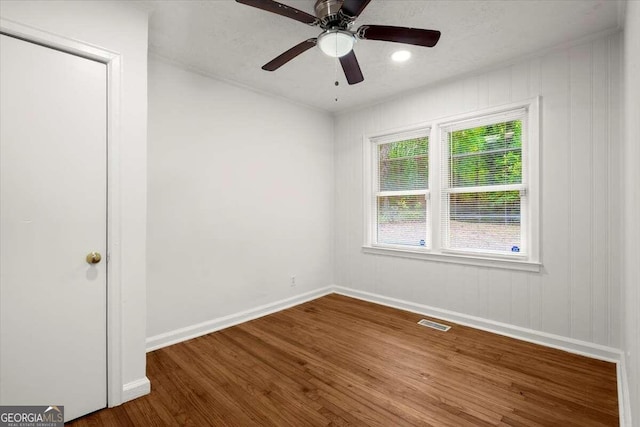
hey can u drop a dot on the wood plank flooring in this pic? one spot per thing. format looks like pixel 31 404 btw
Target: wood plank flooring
pixel 338 361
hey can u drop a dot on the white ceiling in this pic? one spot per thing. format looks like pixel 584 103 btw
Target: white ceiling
pixel 232 41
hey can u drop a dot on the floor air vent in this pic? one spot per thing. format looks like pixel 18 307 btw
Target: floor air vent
pixel 434 325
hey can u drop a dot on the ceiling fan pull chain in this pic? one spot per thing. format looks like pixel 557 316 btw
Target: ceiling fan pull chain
pixel 335 71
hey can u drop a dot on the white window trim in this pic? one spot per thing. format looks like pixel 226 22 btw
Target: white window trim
pixel 433 251
pixel 375 142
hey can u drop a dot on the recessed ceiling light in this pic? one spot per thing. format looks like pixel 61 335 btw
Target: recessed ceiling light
pixel 401 56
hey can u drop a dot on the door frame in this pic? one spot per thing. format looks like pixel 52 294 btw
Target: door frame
pixel 113 61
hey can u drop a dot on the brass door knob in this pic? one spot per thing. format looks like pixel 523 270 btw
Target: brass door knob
pixel 94 257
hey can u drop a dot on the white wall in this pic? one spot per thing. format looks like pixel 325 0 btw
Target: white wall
pixel 240 199
pixel 631 283
pixel 117 27
pixel 577 293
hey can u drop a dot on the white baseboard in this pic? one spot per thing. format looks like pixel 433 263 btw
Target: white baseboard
pixel 194 331
pixel 141 387
pixel 624 403
pixel 135 389
pixel 571 345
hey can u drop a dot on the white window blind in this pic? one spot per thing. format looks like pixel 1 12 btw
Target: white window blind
pixel 482 184
pixel 401 189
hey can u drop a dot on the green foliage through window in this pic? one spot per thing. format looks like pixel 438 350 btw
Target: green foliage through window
pixel 404 165
pixel 487 155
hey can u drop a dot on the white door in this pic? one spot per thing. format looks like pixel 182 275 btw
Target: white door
pixel 53 177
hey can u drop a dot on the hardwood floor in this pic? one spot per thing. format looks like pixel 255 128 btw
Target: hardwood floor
pixel 338 361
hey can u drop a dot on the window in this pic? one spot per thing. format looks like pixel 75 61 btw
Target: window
pixel 471 198
pixel 482 188
pixel 402 188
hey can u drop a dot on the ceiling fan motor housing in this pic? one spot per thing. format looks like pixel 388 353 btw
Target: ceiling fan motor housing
pixel 335 18
pixel 328 12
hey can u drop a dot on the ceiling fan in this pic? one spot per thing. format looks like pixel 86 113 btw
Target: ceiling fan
pixel 335 18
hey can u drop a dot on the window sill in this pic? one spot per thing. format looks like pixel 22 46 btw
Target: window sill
pixel 506 264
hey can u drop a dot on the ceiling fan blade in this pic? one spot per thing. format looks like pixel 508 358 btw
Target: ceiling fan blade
pixel 281 9
pixel 353 8
pixel 351 68
pixel 416 36
pixel 289 55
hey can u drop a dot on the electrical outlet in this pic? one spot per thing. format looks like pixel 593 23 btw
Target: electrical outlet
pixel 293 281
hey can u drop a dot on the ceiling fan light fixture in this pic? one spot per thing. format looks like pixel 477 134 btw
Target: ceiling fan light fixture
pixel 336 43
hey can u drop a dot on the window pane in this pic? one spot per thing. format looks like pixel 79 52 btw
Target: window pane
pixel 486 155
pixel 402 220
pixel 485 221
pixel 404 165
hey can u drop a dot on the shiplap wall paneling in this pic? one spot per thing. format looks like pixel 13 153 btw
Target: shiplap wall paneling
pixel 630 178
pixel 599 178
pixel 580 206
pixel 533 70
pixel 576 293
pixel 556 221
pixel 614 189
